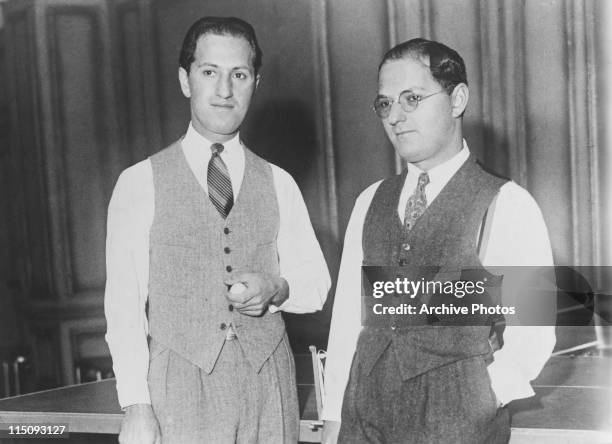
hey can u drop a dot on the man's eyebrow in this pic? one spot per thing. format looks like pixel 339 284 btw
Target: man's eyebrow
pixel 214 65
pixel 207 64
pixel 413 89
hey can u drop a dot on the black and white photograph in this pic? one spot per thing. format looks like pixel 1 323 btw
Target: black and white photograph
pixel 306 221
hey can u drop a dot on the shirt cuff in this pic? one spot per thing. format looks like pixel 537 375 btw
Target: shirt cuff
pixel 508 382
pixel 133 392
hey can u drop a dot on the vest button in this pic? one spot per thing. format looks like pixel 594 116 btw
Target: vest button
pixel 229 268
pixel 230 307
pixel 226 230
pixel 227 250
pixel 406 247
pixel 223 326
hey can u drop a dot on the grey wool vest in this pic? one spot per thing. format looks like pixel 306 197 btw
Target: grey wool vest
pixel 445 236
pixel 193 250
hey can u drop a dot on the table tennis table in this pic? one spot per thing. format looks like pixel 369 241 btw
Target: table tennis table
pixel 572 405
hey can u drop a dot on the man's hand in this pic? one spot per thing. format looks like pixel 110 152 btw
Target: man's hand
pixel 251 293
pixel 331 430
pixel 139 426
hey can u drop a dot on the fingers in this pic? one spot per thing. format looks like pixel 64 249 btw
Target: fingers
pixel 236 278
pixel 255 306
pixel 255 310
pixel 248 293
pixel 243 287
pixel 139 426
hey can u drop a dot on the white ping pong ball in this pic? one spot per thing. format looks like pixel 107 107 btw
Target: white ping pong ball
pixel 237 288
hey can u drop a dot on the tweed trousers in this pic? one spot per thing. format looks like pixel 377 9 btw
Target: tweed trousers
pixel 233 404
pixel 450 404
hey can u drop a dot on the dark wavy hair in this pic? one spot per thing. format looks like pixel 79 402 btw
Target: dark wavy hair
pixel 445 64
pixel 220 26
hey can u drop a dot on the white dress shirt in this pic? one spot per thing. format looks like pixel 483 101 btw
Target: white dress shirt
pixel 517 236
pixel 130 215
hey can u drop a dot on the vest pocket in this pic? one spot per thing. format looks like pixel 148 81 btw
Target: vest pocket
pixel 265 258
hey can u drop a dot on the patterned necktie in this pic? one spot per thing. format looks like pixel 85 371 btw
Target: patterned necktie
pixel 219 183
pixel 417 203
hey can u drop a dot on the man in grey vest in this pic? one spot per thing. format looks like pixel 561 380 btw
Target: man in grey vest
pixel 414 379
pixel 206 244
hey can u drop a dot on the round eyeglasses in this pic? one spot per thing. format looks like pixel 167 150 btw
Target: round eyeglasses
pixel 408 100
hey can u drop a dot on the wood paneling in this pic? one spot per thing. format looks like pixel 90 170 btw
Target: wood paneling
pixel 75 335
pixel 78 65
pixel 46 358
pixel 10 333
pixel 31 215
pixel 136 79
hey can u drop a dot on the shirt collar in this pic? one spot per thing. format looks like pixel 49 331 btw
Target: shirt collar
pixel 197 146
pixel 441 174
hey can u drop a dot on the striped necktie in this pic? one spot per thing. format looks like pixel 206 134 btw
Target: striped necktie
pixel 417 203
pixel 219 183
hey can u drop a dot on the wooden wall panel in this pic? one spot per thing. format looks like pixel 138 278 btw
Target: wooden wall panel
pixel 75 336
pixel 130 79
pixel 10 334
pixel 136 80
pixel 80 123
pixel 46 359
pixel 30 216
pixel 76 60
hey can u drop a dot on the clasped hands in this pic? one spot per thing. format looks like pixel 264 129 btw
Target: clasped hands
pixel 252 293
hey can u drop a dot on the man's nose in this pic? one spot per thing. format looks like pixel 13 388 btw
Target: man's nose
pixel 396 114
pixel 224 86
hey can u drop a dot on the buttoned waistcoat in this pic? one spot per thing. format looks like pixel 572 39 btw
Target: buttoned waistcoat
pixel 445 237
pixel 193 250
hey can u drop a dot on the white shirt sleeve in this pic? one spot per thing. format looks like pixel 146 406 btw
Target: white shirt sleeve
pixel 518 237
pixel 300 258
pixel 130 214
pixel 346 316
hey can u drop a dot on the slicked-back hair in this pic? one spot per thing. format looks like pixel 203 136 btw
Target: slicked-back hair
pixel 231 26
pixel 445 64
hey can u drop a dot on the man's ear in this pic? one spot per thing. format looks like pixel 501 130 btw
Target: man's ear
pixel 184 81
pixel 257 79
pixel 459 99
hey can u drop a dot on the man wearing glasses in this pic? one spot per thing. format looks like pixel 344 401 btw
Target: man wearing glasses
pixel 430 384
